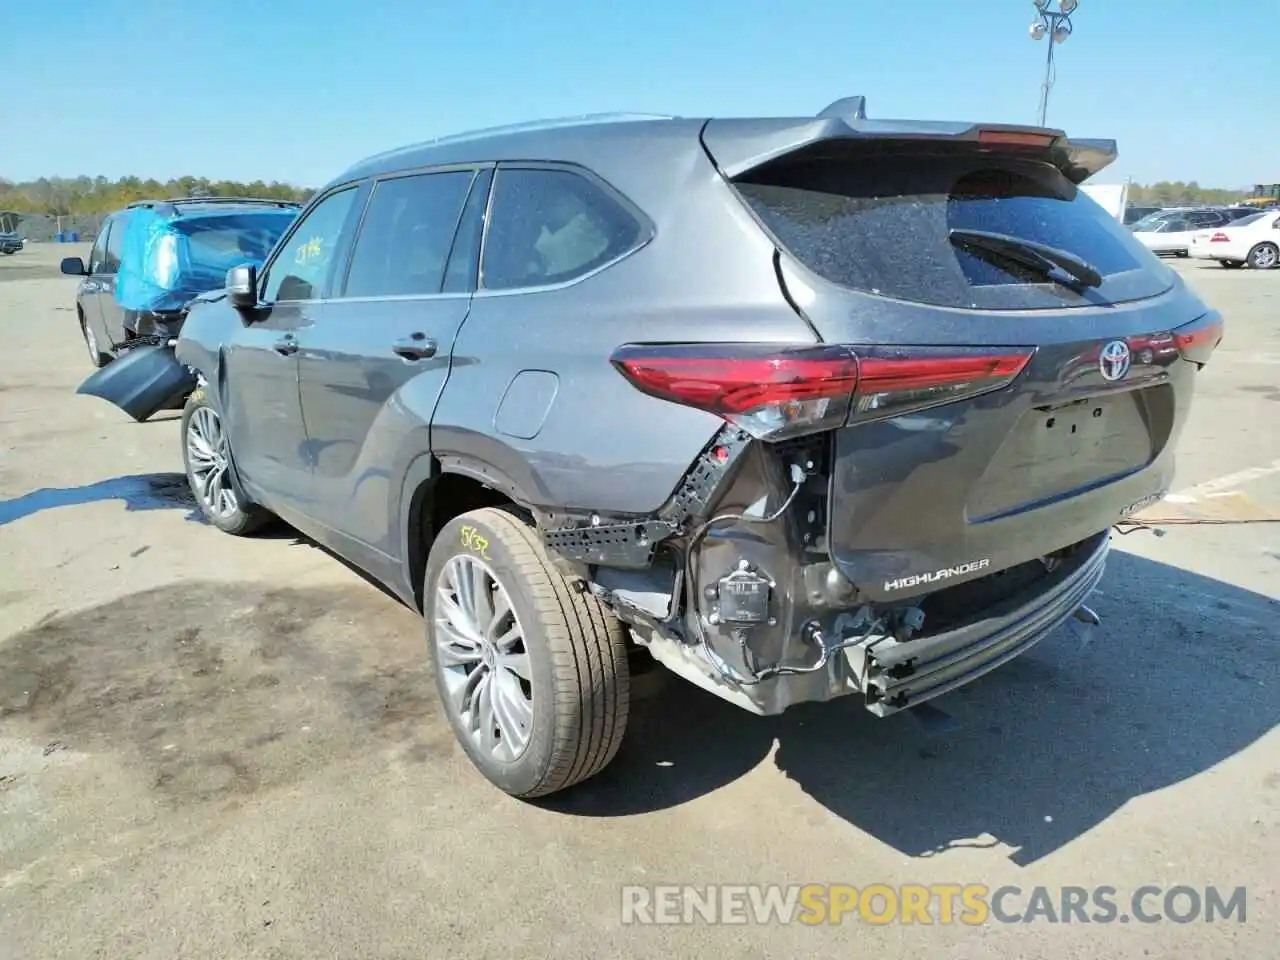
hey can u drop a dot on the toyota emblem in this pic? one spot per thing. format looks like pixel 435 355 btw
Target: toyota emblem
pixel 1114 360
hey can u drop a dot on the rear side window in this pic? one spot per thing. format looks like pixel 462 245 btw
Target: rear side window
pixel 406 236
pixel 551 226
pixel 880 223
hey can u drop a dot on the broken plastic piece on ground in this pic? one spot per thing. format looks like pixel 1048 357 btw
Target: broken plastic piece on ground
pixel 141 381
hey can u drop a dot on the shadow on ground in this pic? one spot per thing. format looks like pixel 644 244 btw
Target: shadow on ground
pixel 145 491
pixel 215 691
pixel 222 690
pixel 1183 674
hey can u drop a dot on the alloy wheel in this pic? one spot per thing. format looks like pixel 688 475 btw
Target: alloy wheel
pixel 1265 257
pixel 208 462
pixel 481 653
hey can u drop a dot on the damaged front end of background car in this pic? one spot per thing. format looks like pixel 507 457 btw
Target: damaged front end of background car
pixel 173 255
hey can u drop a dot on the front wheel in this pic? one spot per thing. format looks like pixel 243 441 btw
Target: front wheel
pixel 206 452
pixel 532 671
pixel 1265 256
pixel 96 356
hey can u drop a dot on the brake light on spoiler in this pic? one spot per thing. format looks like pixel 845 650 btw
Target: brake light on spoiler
pixel 774 391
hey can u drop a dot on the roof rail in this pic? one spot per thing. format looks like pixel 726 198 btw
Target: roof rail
pixel 179 200
pixel 846 108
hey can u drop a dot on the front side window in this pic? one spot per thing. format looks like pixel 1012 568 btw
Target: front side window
pixel 98 256
pixel 304 264
pixel 407 232
pixel 115 245
pixel 551 226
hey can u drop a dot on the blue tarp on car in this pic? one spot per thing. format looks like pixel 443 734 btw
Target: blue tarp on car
pixel 170 257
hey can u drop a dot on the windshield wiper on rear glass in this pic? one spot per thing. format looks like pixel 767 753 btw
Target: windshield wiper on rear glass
pixel 1036 256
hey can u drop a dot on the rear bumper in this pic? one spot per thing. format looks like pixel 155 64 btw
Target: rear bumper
pixel 910 673
pixel 1217 251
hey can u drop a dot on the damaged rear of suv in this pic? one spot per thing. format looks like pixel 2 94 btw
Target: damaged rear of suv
pixel 805 407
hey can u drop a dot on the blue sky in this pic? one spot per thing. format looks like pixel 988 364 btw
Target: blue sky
pixel 296 90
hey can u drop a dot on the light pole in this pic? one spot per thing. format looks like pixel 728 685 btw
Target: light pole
pixel 1056 26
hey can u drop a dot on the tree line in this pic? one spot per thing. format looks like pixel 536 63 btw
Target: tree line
pixel 1176 193
pixel 71 196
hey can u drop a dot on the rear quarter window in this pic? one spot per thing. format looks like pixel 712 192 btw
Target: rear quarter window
pixel 881 225
pixel 549 226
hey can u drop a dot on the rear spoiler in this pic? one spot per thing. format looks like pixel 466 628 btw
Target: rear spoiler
pixel 737 146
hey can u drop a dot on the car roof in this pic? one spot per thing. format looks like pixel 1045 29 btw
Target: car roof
pixel 612 138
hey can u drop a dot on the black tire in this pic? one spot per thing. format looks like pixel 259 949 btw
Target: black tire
pixel 96 356
pixel 1231 264
pixel 578 680
pixel 1181 254
pixel 8 253
pixel 1264 256
pixel 246 517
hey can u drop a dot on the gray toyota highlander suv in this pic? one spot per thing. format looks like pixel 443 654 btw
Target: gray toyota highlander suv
pixel 806 407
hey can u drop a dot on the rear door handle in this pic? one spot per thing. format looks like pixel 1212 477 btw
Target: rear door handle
pixel 417 346
pixel 286 345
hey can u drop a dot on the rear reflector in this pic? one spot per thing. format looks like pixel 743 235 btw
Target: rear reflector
pixel 1196 341
pixel 1219 238
pixel 774 392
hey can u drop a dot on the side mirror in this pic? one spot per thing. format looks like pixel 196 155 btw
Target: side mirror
pixel 73 267
pixel 242 286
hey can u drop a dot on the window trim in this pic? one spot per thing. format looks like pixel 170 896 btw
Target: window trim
pixel 339 293
pixel 646 234
pixel 265 273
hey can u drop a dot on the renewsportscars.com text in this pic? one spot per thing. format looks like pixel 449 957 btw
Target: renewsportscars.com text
pixel 817 904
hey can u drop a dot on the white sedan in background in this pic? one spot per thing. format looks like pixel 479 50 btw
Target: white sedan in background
pixel 1254 240
pixel 1170 231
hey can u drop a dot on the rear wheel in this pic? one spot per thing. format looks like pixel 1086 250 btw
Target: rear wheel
pixel 206 452
pixel 1265 256
pixel 532 671
pixel 1232 264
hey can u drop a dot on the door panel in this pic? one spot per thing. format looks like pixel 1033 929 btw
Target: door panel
pixel 260 400
pixel 374 365
pixel 92 286
pixel 261 362
pixel 112 312
pixel 370 370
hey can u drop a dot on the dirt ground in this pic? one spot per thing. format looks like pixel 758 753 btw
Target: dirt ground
pixel 216 747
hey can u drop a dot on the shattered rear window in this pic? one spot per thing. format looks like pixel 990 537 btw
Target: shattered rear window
pixel 881 224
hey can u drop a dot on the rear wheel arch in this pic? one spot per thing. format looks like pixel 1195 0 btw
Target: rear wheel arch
pixel 434 492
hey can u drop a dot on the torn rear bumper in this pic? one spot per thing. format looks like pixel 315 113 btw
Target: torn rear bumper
pixel 902 675
pixel 141 381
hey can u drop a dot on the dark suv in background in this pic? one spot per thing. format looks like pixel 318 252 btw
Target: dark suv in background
pixel 805 407
pixel 195 229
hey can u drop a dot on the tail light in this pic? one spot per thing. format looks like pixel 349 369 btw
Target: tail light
pixel 1219 238
pixel 1197 340
pixel 774 392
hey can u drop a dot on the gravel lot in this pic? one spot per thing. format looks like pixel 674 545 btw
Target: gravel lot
pixel 213 747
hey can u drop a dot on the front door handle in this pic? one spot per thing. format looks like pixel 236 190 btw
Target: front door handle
pixel 417 346
pixel 286 345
